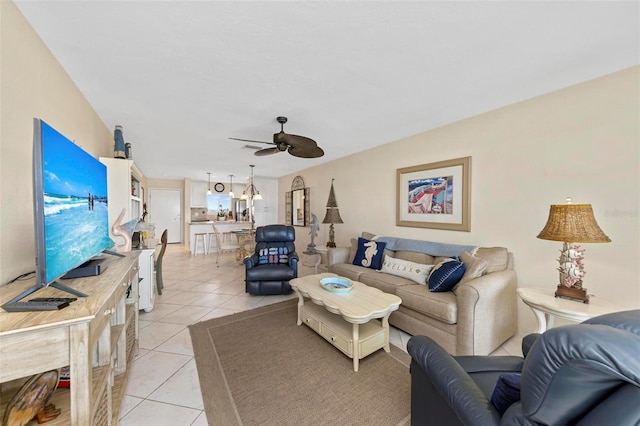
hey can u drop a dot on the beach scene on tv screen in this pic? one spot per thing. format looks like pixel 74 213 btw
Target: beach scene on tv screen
pixel 75 204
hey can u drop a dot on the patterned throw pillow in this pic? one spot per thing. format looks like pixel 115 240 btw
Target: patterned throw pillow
pixel 445 275
pixel 369 254
pixel 273 255
pixel 416 272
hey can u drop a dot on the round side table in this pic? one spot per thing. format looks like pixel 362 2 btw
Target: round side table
pixel 546 306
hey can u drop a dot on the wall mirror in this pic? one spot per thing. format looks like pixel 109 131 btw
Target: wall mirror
pixel 297 200
pixel 298 203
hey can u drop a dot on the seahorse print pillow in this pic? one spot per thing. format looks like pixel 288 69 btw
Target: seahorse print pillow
pixel 369 254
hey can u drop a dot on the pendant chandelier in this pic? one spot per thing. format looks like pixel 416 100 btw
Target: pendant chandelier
pixel 251 193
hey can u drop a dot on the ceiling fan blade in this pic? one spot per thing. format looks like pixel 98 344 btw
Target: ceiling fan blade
pixel 311 152
pixel 266 151
pixel 250 140
pixel 301 142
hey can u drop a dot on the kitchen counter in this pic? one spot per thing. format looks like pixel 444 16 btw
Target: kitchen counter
pixel 222 225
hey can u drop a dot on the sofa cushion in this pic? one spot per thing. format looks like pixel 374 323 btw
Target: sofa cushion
pixel 384 282
pixel 414 256
pixel 474 266
pixel 369 253
pixel 497 257
pixel 348 270
pixel 441 306
pixel 445 275
pixel 368 235
pixel 416 272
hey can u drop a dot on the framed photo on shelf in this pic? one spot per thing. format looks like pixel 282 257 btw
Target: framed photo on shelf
pixel 435 195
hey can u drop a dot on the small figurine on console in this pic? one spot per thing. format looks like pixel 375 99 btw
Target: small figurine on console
pixel 125 231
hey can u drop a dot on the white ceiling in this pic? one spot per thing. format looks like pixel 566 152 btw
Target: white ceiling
pixel 182 77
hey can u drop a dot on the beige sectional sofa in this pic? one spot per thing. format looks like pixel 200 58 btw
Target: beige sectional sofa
pixel 475 318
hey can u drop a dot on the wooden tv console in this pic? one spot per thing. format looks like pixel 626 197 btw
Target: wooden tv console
pixel 96 337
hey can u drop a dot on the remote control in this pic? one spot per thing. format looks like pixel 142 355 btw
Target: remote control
pixel 34 306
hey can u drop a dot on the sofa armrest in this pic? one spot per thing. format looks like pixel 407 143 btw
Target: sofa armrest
pixel 487 313
pixel 337 255
pixel 293 262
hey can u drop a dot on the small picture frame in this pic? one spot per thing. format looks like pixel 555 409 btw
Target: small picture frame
pixel 435 195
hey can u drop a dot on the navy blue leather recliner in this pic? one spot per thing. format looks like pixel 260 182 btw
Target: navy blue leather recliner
pixel 274 263
pixel 583 374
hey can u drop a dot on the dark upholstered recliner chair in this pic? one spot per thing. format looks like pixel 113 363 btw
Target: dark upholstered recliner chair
pixel 274 262
pixel 583 374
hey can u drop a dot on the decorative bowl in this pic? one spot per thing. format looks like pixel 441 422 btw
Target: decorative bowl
pixel 336 285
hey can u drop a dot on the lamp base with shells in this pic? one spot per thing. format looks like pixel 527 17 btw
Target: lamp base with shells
pixel 571 272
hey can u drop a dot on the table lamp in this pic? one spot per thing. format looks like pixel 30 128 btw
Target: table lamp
pixel 572 223
pixel 332 216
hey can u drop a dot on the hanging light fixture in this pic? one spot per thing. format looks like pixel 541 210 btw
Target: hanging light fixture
pixel 231 195
pixel 209 187
pixel 251 193
pixel 255 194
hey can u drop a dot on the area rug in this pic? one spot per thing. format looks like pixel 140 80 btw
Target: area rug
pixel 259 368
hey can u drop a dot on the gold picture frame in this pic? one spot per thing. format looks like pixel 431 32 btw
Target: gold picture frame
pixel 435 195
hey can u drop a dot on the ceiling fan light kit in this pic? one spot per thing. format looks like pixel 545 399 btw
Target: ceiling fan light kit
pixel 298 146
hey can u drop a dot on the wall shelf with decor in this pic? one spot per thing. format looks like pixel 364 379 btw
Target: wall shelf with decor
pixel 124 181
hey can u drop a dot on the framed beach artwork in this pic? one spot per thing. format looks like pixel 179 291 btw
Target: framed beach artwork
pixel 435 195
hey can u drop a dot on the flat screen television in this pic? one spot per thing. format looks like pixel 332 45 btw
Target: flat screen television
pixel 70 207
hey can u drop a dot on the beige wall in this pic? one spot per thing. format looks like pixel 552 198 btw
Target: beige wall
pixel 583 142
pixel 33 84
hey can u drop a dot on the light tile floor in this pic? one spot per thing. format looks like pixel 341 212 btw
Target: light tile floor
pixel 163 386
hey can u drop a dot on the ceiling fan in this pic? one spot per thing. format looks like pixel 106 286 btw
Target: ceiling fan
pixel 298 146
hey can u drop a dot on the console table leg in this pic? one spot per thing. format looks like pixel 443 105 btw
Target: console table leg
pixel 542 320
pixel 549 319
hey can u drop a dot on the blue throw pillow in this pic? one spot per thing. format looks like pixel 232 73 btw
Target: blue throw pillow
pixel 369 254
pixel 506 392
pixel 445 275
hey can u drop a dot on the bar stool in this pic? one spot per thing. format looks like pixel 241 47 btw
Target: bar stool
pixel 197 236
pixel 221 245
pixel 211 239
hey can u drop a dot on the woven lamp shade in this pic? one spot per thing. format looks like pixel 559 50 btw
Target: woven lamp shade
pixel 573 223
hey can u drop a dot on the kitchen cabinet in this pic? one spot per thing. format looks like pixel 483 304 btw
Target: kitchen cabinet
pixel 96 336
pixel 266 210
pixel 199 194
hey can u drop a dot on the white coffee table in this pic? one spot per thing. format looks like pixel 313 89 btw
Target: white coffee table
pixel 546 306
pixel 344 319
